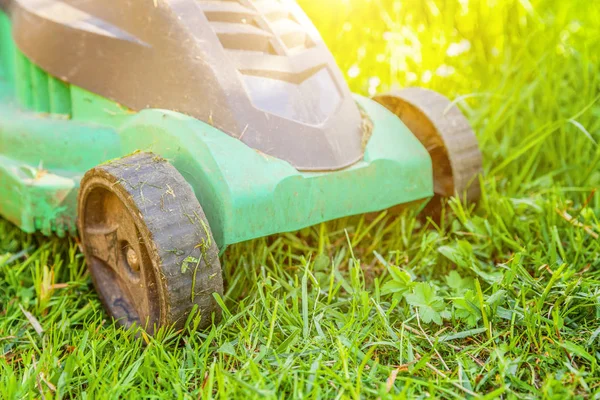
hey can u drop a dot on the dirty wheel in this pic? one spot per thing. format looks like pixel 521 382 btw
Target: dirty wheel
pixel 147 243
pixel 446 134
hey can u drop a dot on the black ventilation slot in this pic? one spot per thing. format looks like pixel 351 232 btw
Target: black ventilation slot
pixel 265 26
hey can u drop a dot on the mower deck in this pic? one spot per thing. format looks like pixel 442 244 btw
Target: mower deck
pixel 246 194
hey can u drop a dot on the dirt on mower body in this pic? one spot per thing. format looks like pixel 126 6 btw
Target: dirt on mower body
pixel 164 131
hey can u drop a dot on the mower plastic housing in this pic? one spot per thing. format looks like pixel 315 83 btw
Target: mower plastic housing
pixel 285 171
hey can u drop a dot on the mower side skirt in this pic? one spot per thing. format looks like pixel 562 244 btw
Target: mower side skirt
pixel 247 194
pixel 42 161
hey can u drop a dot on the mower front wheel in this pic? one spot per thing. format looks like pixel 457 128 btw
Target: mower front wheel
pixel 446 134
pixel 148 244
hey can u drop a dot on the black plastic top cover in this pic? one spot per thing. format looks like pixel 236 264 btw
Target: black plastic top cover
pixel 256 69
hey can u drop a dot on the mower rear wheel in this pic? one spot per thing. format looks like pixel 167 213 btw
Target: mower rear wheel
pixel 148 244
pixel 446 134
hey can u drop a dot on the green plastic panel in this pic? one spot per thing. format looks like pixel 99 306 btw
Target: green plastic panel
pixel 247 194
pixel 34 89
pixel 37 91
pixel 24 90
pixel 59 97
pixel 42 160
pixel 7 51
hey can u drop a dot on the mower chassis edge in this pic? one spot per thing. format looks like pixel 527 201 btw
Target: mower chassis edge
pixel 245 194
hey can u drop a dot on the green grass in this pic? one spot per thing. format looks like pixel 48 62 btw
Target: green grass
pixel 498 301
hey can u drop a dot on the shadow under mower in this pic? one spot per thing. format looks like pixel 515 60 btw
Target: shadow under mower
pixel 165 130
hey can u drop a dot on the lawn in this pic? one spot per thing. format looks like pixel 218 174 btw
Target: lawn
pixel 500 300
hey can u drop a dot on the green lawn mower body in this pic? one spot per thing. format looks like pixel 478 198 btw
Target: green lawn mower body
pixel 52 132
pixel 162 131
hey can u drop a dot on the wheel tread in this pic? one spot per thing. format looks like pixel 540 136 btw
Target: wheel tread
pixel 162 198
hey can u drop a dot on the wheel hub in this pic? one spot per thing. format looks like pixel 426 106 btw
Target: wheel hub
pixel 132 259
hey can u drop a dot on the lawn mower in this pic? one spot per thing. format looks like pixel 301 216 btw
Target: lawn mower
pixel 162 131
